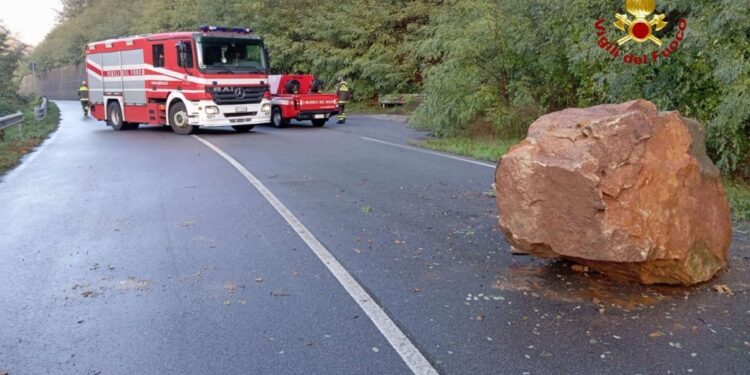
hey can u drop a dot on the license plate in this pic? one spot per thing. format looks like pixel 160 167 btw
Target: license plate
pixel 320 116
pixel 240 109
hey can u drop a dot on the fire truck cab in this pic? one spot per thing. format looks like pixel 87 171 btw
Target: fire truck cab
pixel 214 77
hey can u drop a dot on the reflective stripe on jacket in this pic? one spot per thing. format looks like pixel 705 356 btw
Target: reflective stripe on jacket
pixel 343 92
pixel 83 93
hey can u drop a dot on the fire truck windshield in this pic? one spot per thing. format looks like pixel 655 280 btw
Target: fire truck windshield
pixel 231 55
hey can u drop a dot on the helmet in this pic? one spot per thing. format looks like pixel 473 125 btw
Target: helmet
pixel 83 83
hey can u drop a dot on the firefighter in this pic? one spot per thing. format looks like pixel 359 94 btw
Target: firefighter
pixel 83 95
pixel 342 91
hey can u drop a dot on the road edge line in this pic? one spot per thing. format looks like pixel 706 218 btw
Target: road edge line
pixel 488 165
pixel 408 352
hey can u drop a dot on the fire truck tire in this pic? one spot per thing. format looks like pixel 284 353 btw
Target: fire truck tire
pixel 277 119
pixel 319 123
pixel 242 128
pixel 114 117
pixel 178 118
pixel 292 87
pixel 317 86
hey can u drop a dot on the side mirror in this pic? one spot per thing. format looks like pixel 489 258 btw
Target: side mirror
pixel 268 60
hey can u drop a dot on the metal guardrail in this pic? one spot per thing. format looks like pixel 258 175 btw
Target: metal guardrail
pixel 8 121
pixel 400 99
pixel 40 111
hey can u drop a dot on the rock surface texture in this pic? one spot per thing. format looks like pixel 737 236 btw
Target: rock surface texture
pixel 624 189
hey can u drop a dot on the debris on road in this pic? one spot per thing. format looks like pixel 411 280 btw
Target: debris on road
pixel 89 294
pixel 279 294
pixel 258 279
pixel 723 289
pixel 579 268
pixel 135 284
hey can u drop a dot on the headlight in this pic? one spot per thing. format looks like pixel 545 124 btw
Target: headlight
pixel 265 108
pixel 212 110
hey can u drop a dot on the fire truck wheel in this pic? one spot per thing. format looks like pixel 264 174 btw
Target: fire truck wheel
pixel 114 118
pixel 178 117
pixel 319 123
pixel 242 128
pixel 317 86
pixel 277 119
pixel 292 87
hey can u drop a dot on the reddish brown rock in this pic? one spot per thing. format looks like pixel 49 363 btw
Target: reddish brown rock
pixel 623 189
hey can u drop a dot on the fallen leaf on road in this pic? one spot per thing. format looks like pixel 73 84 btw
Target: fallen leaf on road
pixel 358 251
pixel 258 279
pixel 656 334
pixel 398 242
pixel 579 268
pixel 376 349
pixel 480 317
pixel 723 289
pixel 417 290
pixel 88 293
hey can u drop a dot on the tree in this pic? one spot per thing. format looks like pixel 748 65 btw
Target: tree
pixel 10 54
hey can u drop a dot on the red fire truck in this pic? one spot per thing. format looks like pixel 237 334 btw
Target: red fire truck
pixel 298 97
pixel 216 76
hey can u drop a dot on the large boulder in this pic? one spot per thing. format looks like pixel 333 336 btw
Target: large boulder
pixel 624 189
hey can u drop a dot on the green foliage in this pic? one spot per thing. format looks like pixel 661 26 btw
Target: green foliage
pixel 9 58
pixel 738 194
pixel 506 62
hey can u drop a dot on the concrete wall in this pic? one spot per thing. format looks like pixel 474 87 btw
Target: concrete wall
pixel 59 84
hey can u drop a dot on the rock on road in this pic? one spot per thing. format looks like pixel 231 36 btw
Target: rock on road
pixel 147 252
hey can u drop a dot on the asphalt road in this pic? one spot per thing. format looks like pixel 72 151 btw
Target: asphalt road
pixel 144 252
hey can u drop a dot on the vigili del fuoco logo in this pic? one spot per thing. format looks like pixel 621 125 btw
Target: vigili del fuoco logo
pixel 643 27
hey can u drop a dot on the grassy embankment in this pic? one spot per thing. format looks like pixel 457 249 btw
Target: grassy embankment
pixel 17 141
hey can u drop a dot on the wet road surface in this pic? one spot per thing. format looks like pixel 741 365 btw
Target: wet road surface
pixel 147 252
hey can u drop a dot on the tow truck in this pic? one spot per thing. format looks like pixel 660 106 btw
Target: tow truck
pixel 298 97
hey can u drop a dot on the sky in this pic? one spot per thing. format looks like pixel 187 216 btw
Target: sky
pixel 30 20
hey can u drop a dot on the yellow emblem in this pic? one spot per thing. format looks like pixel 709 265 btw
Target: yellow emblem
pixel 640 29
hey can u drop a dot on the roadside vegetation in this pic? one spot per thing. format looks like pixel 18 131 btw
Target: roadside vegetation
pixel 17 141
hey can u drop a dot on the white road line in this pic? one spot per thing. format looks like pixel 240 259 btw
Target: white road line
pixel 403 346
pixel 488 165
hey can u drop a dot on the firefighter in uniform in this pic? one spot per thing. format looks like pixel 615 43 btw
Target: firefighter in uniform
pixel 83 95
pixel 342 91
